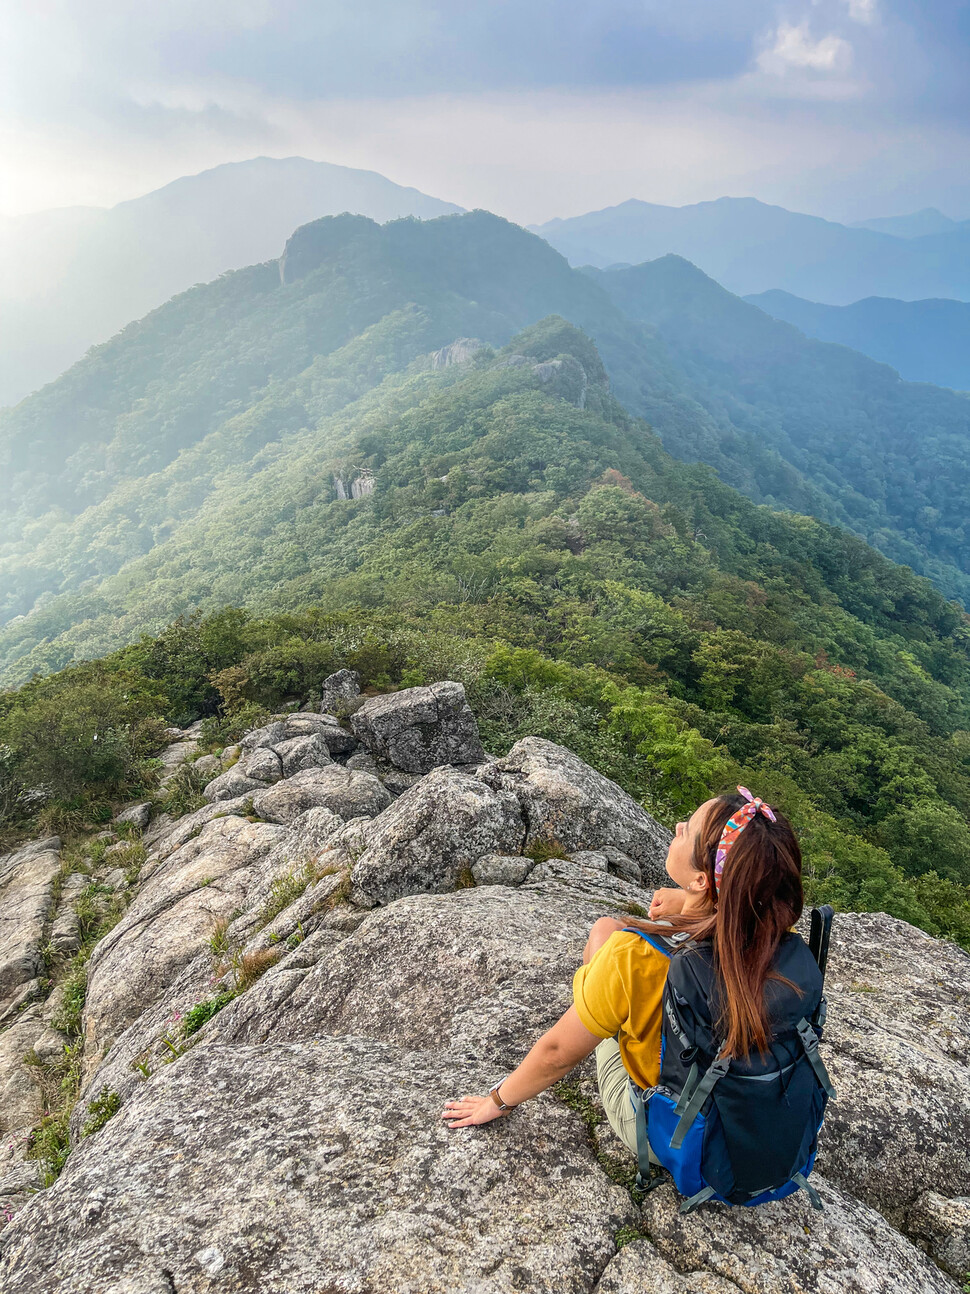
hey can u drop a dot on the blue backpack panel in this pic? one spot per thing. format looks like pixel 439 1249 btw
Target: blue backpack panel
pixel 741 1131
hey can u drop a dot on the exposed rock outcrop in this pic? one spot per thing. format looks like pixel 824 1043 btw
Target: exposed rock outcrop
pixel 420 728
pixel 567 803
pixel 360 960
pixel 26 893
pixel 457 352
pixel 433 834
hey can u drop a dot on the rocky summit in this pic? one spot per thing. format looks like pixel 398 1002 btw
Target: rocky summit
pixel 364 915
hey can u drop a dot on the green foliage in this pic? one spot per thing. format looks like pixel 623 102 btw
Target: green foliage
pixel 104 1106
pixel 284 890
pixel 226 729
pixel 67 1018
pixel 203 1012
pixel 183 792
pixel 583 585
pixel 60 1083
pixel 542 850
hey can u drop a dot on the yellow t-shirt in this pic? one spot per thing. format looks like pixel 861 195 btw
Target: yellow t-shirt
pixel 621 991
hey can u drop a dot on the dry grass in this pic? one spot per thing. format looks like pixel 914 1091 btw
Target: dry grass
pixel 251 966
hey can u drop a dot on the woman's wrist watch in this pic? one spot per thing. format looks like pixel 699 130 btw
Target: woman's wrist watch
pixel 496 1096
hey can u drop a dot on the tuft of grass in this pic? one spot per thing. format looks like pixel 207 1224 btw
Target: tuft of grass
pixel 626 1236
pixel 465 879
pixel 540 851
pixel 60 1084
pixel 100 1110
pixel 183 794
pixel 59 819
pixel 251 966
pixel 67 1018
pixel 340 894
pixel 219 939
pixel 203 1012
pixel 635 910
pixel 131 858
pixel 284 890
pixel 96 851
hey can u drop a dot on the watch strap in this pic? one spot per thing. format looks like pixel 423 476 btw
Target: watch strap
pixel 497 1097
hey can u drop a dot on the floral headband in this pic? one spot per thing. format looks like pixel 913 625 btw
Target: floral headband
pixel 735 825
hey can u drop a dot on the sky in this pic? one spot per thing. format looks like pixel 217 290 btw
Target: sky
pixel 532 108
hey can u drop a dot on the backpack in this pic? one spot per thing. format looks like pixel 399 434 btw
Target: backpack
pixel 742 1131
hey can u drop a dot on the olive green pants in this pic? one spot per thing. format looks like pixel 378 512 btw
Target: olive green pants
pixel 614 1085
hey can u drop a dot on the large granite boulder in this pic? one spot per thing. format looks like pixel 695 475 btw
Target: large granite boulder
pixel 432 835
pixel 898 1038
pixel 420 728
pixel 343 791
pixel 567 804
pixel 340 692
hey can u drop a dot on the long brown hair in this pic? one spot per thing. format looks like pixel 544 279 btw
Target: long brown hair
pixel 760 899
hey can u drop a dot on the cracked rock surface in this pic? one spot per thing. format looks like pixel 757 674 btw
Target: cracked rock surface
pixel 410 954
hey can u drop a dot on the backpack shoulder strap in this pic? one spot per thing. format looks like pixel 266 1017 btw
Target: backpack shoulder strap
pixel 666 944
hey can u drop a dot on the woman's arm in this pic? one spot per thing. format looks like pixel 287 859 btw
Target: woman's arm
pixel 557 1052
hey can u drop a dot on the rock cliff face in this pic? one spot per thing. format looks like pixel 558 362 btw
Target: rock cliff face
pixel 290 997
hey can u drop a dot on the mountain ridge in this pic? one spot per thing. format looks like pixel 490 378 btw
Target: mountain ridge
pixel 72 278
pixel 750 246
pixel 925 341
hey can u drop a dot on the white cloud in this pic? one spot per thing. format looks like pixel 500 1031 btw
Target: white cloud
pixel 792 47
pixel 863 11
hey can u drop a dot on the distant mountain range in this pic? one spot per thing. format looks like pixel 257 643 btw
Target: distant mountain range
pixel 926 341
pixel 134 487
pixel 71 278
pixel 751 247
pixel 916 225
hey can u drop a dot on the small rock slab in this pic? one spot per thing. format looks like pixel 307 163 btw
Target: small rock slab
pixel 943 1226
pixel 231 785
pixel 139 815
pixel 26 889
pixel 502 869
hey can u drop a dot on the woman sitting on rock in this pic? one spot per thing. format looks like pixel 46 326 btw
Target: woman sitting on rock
pixel 618 991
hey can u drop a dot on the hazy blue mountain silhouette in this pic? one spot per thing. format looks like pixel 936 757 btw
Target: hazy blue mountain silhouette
pixel 926 341
pixel 749 247
pixel 71 278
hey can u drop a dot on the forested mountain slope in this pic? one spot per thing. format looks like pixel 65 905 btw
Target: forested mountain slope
pixel 113 459
pixel 886 458
pixel 926 341
pixel 514 528
pixel 71 278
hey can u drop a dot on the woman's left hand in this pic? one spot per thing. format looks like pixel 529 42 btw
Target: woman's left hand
pixel 471 1111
